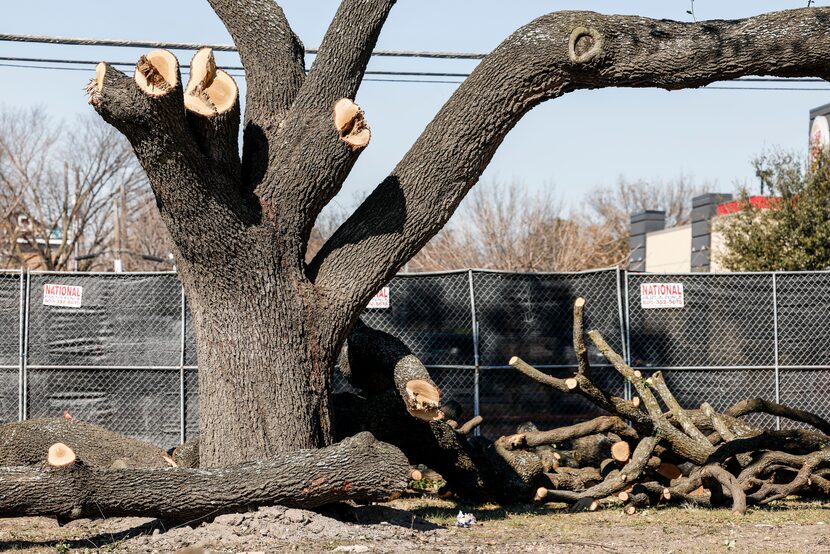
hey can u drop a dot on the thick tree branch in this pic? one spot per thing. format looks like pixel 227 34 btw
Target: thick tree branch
pixel 554 54
pixel 359 468
pixel 274 63
pixel 375 361
pixel 755 405
pixel 149 112
pixel 297 186
pixel 212 103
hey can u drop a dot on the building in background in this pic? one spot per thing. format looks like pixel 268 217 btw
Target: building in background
pixel 696 246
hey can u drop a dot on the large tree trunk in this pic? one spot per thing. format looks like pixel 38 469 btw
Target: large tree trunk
pixel 265 365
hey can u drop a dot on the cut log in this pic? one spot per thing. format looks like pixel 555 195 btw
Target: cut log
pixel 60 455
pixel 621 451
pixel 573 479
pixel 360 469
pixel 415 474
pixel 601 424
pixel 470 425
pixel 669 471
pixel 583 364
pixel 375 361
pixel 25 443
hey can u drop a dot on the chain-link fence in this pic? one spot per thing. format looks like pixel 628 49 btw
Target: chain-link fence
pixel 119 349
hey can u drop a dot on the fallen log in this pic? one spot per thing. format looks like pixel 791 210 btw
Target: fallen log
pixel 375 361
pixel 25 443
pixel 359 469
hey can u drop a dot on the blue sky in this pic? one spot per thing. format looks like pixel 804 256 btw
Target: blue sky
pixel 710 135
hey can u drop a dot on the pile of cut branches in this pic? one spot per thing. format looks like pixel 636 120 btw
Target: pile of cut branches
pixel 651 450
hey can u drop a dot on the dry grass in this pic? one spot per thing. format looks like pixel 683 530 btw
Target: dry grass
pixel 784 528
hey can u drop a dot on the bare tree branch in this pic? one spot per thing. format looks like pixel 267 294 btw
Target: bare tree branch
pixel 57 186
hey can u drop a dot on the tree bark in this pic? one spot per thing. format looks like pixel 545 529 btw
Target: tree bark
pixel 25 443
pixel 268 326
pixel 359 469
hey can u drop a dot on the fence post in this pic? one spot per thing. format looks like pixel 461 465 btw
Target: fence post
pixel 626 323
pixel 775 341
pixel 182 412
pixel 21 353
pixel 477 368
pixel 24 361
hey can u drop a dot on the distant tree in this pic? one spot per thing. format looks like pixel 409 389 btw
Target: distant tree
pixel 503 226
pixel 789 232
pixel 609 209
pixel 59 187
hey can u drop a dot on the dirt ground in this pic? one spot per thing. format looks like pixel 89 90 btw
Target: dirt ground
pixel 426 525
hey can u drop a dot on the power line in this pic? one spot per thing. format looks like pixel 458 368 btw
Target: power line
pixel 417 78
pixel 73 41
pixel 226 68
pixel 435 74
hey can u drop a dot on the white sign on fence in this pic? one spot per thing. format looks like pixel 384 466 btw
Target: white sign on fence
pixel 66 296
pixel 661 295
pixel 380 300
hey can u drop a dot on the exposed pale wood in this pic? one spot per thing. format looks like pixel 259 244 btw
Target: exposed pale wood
pixel 350 123
pixel 424 399
pixel 470 425
pixel 415 474
pixel 157 72
pixel 202 72
pixel 621 451
pixel 221 96
pixel 669 471
pixel 60 455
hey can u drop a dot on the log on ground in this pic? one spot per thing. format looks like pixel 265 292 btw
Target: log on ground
pixel 25 443
pixel 359 469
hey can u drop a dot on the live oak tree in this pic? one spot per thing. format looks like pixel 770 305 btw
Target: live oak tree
pixel 269 325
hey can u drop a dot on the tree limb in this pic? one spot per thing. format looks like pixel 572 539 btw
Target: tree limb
pixel 296 187
pixel 374 361
pixel 188 192
pixel 755 405
pixel 274 61
pixel 359 468
pixel 554 54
